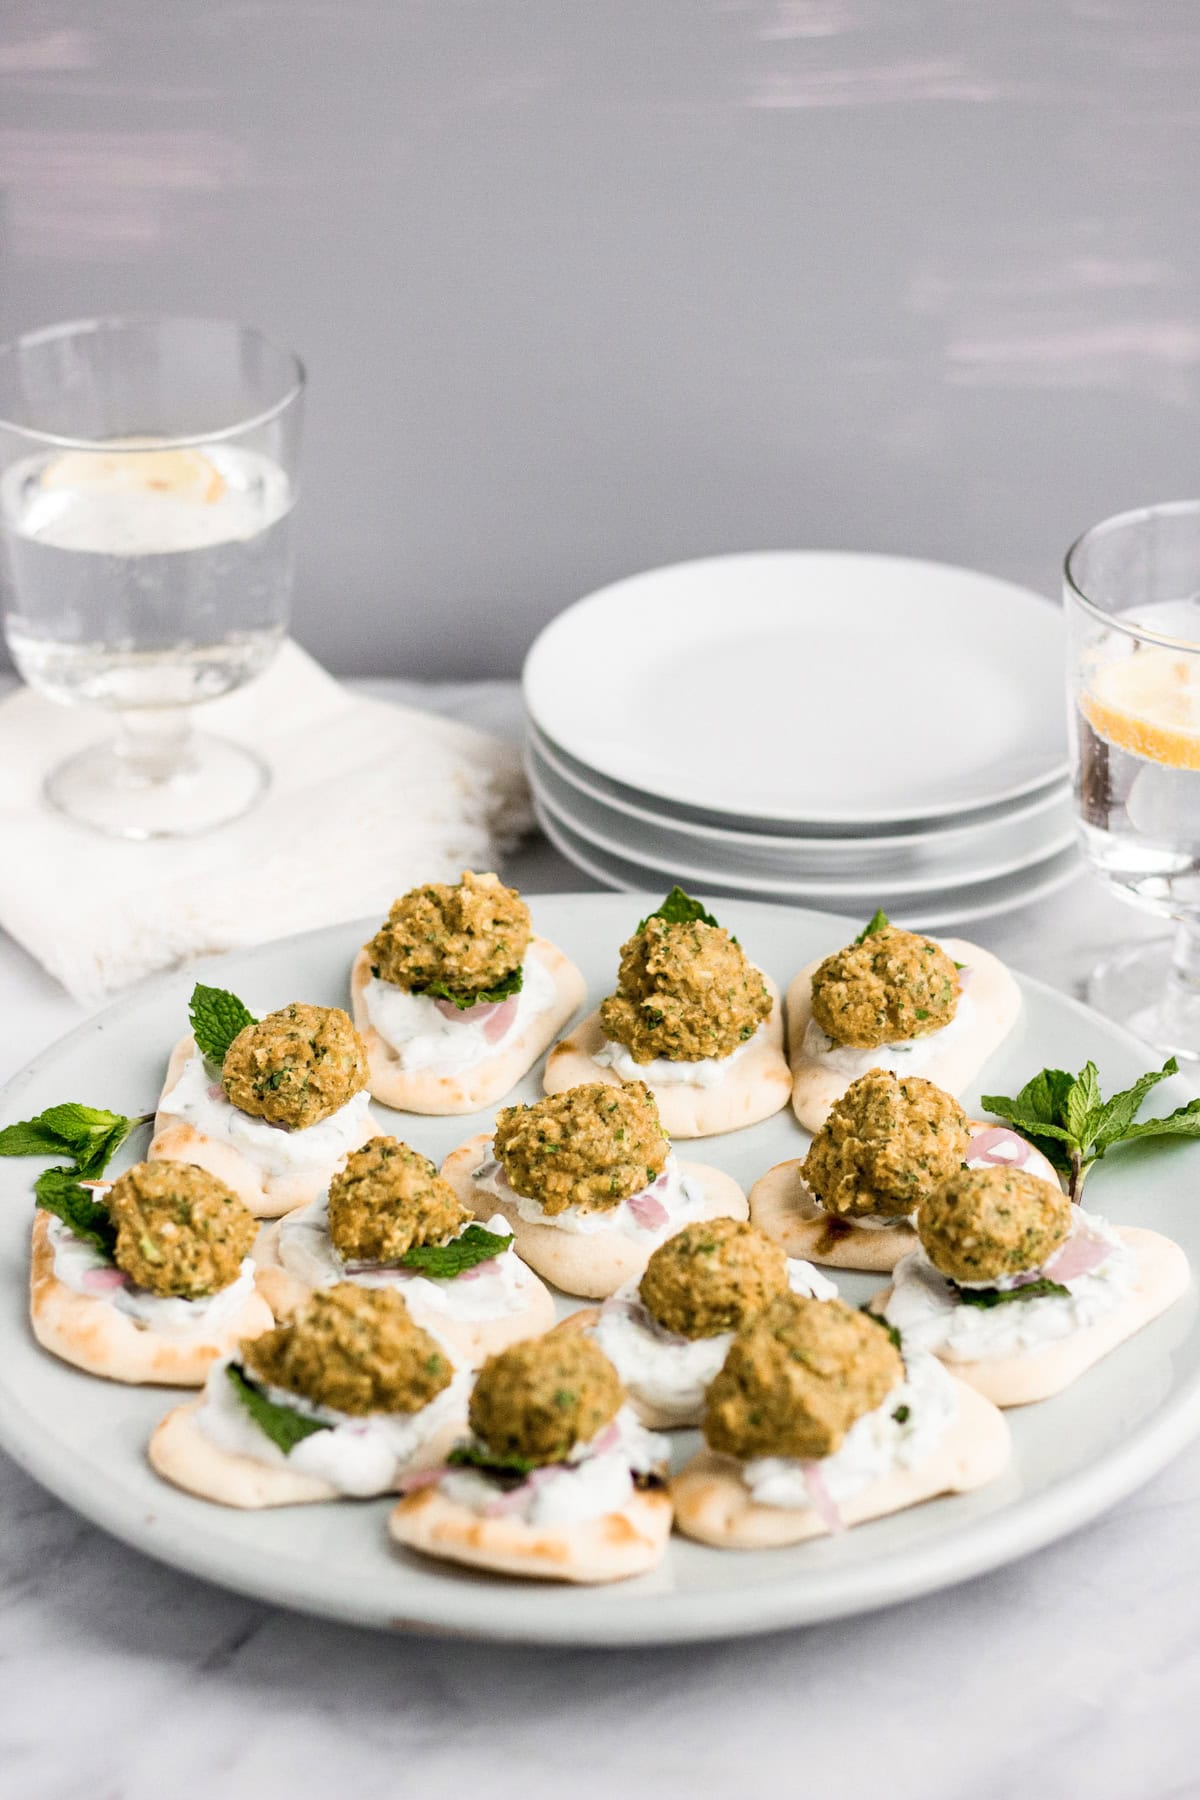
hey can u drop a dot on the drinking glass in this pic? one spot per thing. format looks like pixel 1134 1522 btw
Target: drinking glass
pixel 148 475
pixel 1132 596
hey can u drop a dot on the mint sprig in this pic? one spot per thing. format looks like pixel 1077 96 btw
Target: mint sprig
pixel 217 1016
pixel 1030 1290
pixel 512 984
pixel 284 1425
pixel 58 1191
pixel 679 909
pixel 471 1455
pixel 1067 1118
pixel 89 1135
pixel 878 921
pixel 444 1261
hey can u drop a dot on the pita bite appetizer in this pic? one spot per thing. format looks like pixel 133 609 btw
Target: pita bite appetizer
pixel 390 1220
pixel 692 1018
pixel 588 1184
pixel 1018 1290
pixel 270 1106
pixel 558 1480
pixel 819 1420
pixel 888 1143
pixel 342 1400
pixel 145 1279
pixel 668 1334
pixel 897 1001
pixel 456 998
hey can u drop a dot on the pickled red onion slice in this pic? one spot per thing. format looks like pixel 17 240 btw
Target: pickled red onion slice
pixel 1081 1253
pixel 820 1499
pixel 981 1146
pixel 103 1281
pixel 650 1213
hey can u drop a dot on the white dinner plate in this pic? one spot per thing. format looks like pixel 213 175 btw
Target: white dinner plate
pixel 808 686
pixel 1074 1455
pixel 784 870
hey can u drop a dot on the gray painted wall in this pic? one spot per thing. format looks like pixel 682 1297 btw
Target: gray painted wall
pixel 586 285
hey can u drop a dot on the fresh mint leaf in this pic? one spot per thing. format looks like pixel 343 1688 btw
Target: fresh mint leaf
pixel 1032 1290
pixel 512 984
pixel 477 1456
pixel 217 1016
pixel 878 921
pixel 444 1261
pixel 1120 1112
pixel 679 909
pixel 284 1425
pixel 58 1192
pixel 89 1135
pixel 1082 1103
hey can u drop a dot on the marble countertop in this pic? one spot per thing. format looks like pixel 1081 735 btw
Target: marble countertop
pixel 1071 1673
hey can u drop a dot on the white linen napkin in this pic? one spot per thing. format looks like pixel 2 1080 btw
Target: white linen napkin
pixel 367 799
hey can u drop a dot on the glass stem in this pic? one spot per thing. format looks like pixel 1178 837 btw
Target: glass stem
pixel 154 745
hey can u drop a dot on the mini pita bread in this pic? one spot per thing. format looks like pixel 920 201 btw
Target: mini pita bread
pixel 713 1503
pixel 1163 1276
pixel 756 1085
pixel 185 1456
pixel 267 1196
pixel 469 1341
pixel 785 1208
pixel 610 1548
pixel 994 994
pixel 592 1264
pixel 88 1331
pixel 421 1091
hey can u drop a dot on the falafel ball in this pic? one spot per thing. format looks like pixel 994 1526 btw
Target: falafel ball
pixel 180 1231
pixel 466 936
pixel 355 1350
pixel 886 1145
pixel 685 992
pixel 798 1377
pixel 296 1066
pixel 988 1222
pixel 713 1276
pixel 385 1199
pixel 536 1400
pixel 591 1146
pixel 892 987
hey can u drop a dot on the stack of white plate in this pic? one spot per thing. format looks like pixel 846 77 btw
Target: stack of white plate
pixel 838 731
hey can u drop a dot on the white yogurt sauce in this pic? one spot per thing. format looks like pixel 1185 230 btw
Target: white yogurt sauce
pixel 423 1037
pixel 589 1484
pixel 359 1456
pixel 488 1291
pixel 910 1057
pixel 81 1267
pixel 874 1446
pixel 664 1370
pixel 705 1072
pixel 681 1197
pixel 198 1097
pixel 929 1315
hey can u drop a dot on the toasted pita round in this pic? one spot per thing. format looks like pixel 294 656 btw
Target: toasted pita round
pixel 184 1455
pixel 421 1091
pixel 469 1341
pixel 267 1196
pixel 1163 1275
pixel 996 999
pixel 610 1548
pixel 713 1503
pixel 592 1264
pixel 755 1086
pixel 88 1331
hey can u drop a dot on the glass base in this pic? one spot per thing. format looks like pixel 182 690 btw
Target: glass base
pixel 1141 987
pixel 210 783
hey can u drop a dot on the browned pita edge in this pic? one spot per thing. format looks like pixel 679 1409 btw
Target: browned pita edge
pixel 714 1506
pixel 181 1452
pixel 816 1087
pixel 1031 1375
pixel 469 1341
pixel 267 1196
pixel 758 1085
pixel 89 1332
pixel 591 1265
pixel 611 1548
pixel 419 1091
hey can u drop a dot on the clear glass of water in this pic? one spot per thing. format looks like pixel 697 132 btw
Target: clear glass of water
pixel 148 476
pixel 1132 595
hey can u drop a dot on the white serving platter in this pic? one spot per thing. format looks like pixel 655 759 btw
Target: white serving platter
pixel 808 687
pixel 1074 1456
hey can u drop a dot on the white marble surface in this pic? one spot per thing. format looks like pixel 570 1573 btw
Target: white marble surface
pixel 1072 1673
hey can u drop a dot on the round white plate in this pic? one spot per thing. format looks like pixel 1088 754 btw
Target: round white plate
pixel 958 906
pixel 782 869
pixel 1074 1456
pixel 809 686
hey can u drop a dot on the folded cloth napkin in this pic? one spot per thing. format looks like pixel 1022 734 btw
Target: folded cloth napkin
pixel 366 800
